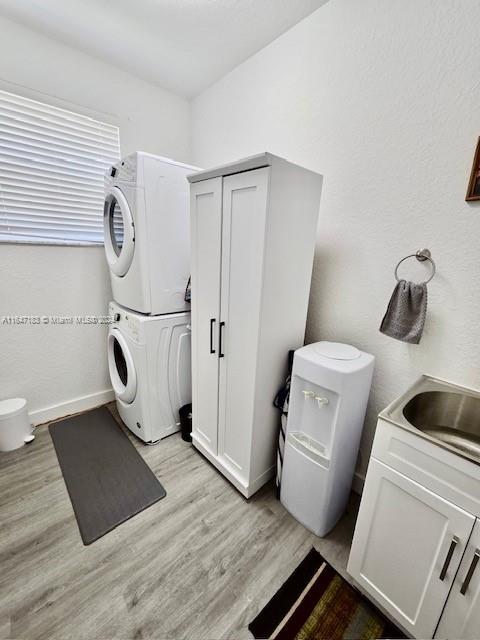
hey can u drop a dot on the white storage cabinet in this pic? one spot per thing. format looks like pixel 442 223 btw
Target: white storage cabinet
pixel 417 540
pixel 253 226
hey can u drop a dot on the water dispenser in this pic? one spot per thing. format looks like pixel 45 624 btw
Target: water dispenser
pixel 328 399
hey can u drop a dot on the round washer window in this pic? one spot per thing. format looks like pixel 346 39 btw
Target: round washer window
pixel 120 362
pixel 121 367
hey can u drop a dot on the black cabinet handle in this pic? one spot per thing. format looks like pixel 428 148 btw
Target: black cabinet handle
pixel 220 335
pixel 470 572
pixel 451 551
pixel 212 322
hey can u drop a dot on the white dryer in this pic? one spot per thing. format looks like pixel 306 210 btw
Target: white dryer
pixel 147 238
pixel 149 360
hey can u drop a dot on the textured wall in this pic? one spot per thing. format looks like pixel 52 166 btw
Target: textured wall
pixel 383 98
pixel 50 365
pixel 53 364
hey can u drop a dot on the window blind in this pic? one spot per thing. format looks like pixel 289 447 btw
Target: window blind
pixel 52 166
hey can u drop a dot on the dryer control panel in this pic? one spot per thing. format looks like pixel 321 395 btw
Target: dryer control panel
pixel 122 171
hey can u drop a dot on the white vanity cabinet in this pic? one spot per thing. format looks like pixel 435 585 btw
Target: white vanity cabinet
pixel 417 536
pixel 253 229
pixel 407 548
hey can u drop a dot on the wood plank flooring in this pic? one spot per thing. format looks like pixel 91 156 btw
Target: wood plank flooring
pixel 198 564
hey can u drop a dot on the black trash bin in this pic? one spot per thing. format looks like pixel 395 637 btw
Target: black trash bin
pixel 186 422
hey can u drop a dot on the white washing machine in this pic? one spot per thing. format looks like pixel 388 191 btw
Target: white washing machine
pixel 147 237
pixel 149 360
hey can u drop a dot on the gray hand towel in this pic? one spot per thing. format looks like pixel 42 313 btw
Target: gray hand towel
pixel 405 315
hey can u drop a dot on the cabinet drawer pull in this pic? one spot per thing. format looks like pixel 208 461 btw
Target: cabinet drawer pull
pixel 220 336
pixel 212 322
pixel 448 559
pixel 470 572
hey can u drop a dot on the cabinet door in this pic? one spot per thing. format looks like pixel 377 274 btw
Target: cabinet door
pixel 461 617
pixel 206 232
pixel 407 547
pixel 243 239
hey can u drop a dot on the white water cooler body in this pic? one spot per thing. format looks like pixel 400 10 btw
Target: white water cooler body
pixel 328 399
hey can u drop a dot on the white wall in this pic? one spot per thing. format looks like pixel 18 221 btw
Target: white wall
pixel 54 365
pixel 383 98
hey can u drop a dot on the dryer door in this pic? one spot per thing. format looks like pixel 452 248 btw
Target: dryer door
pixel 121 367
pixel 119 232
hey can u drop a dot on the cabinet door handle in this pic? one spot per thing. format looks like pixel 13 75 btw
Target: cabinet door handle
pixel 220 336
pixel 448 559
pixel 212 322
pixel 470 572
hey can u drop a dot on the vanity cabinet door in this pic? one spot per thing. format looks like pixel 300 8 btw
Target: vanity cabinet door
pixel 461 617
pixel 407 547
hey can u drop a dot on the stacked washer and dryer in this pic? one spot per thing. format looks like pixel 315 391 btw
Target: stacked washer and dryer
pixel 147 246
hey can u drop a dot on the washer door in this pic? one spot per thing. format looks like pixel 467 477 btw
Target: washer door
pixel 119 232
pixel 121 367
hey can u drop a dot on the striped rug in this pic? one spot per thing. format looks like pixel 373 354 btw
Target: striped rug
pixel 316 603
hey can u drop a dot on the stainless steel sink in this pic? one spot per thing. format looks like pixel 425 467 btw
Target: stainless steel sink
pixel 442 412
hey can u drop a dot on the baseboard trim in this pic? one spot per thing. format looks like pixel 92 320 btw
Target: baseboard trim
pixel 358 482
pixel 39 416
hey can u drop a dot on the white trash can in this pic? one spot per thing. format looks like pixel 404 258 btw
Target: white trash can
pixel 15 427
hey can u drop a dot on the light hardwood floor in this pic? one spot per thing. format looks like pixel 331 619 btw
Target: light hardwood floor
pixel 198 564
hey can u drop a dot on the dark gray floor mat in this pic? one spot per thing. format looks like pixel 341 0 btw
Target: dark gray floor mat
pixel 107 479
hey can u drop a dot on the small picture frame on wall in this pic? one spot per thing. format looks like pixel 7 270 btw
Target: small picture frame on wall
pixel 473 191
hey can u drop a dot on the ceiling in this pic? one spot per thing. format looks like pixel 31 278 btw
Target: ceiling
pixel 181 45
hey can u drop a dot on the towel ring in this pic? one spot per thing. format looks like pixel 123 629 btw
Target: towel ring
pixel 421 256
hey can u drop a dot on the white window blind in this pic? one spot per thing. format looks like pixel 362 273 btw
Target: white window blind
pixel 52 166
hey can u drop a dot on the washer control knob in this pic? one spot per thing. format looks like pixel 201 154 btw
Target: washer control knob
pixel 116 317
